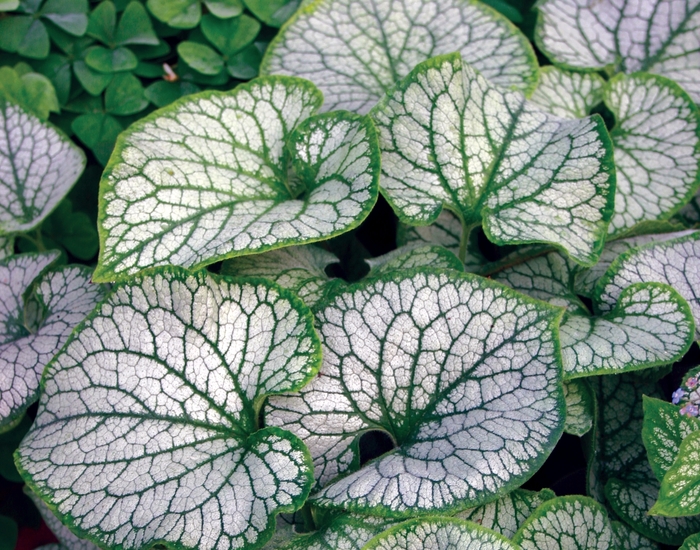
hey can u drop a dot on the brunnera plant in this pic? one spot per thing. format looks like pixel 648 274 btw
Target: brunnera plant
pixel 189 403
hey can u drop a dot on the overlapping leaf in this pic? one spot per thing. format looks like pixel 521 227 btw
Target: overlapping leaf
pixel 564 523
pixel 680 488
pixel 462 373
pixel 218 175
pixel 568 94
pixel 580 407
pixel 347 531
pixel 628 539
pixel 452 139
pixel 412 256
pixel 147 430
pixel 658 36
pixel 38 166
pixel 355 51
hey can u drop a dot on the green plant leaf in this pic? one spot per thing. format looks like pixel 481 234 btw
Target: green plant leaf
pixel 298 268
pixel 580 407
pixel 8 528
pixel 451 139
pixel 245 64
pixel 674 262
pixel 181 14
pixel 39 165
pixel 25 35
pixel 628 539
pixel 162 93
pixel 355 52
pixel 106 60
pixel 216 181
pixel 429 358
pixel 125 95
pixel 57 68
pixel 32 91
pixel 63 298
pixel 564 523
pixel 69 15
pixel 663 432
pixel 438 533
pixel 347 531
pixel 92 81
pixel 74 230
pixel 660 39
pixel 680 488
pixel 200 57
pixel 507 514
pixel 230 35
pixel 412 256
pixel 272 12
pixel 657 148
pixel 691 543
pixel 102 22
pixel 149 416
pixel 9 5
pixel 135 27
pixel 99 132
pixel 567 94
pixel 7 246
pixel 223 9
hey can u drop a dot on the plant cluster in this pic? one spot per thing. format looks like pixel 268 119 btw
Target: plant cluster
pixel 245 367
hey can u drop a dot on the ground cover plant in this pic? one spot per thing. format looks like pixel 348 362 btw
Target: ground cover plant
pixel 329 274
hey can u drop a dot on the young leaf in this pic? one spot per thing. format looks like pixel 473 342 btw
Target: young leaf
pixel 580 407
pixel 451 139
pixel 223 9
pixel 462 373
pixel 627 538
pixel 680 488
pixel 507 514
pixel 149 416
pixel 347 531
pixel 438 533
pixel 63 298
pixel 38 166
pixel 568 522
pixel 663 432
pixel 298 268
pixel 657 36
pixel 657 148
pixel 209 178
pixel 355 51
pixel 567 94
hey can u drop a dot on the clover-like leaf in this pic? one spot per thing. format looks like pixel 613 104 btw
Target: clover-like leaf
pixel 355 51
pixel 439 533
pixel 627 538
pixel 564 523
pixel 412 256
pixel 657 36
pixel 680 488
pixel 462 373
pixel 657 148
pixel 147 430
pixel 61 300
pixel 580 407
pixel 568 94
pixel 347 531
pixel 452 139
pixel 663 432
pixel 507 514
pixel 223 174
pixel 298 268
pixel 38 166
pixel 674 262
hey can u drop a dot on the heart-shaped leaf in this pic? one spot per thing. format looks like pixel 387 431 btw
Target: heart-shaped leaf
pixel 38 166
pixel 462 373
pixel 658 37
pixel 568 94
pixel 680 488
pixel 452 139
pixel 580 407
pixel 628 539
pixel 149 416
pixel 223 174
pixel 439 534
pixel 355 51
pixel 62 299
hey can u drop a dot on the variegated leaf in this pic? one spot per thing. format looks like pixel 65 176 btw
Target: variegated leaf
pixel 680 488
pixel 568 94
pixel 580 407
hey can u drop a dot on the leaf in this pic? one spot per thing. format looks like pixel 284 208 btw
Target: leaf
pixel 507 514
pixel 347 531
pixel 244 65
pixel 659 39
pixel 73 230
pixel 355 52
pixel 628 539
pixel 99 132
pixel 162 93
pixel 102 22
pixel 439 534
pixel 429 358
pixel 580 407
pixel 125 95
pixel 31 91
pixel 215 182
pixel 223 9
pixel 451 139
pixel 298 268
pixel 675 262
pixel 567 522
pixel 24 35
pixel 200 57
pixel 413 256
pixel 107 60
pixel 69 15
pixel 94 82
pixel 230 35
pixel 66 539
pixel 680 488
pixel 149 417
pixel 568 94
pixel 181 14
pixel 657 148
pixel 64 298
pixel 135 27
pixel 272 12
pixel 664 430
pixel 57 69
pixel 691 543
pixel 38 166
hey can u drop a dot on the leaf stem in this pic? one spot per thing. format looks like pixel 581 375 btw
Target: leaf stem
pixel 464 240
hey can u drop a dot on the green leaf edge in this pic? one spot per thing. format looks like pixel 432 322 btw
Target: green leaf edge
pixel 669 506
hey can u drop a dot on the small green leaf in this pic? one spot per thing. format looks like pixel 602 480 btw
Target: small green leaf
pixel 245 64
pixel 181 14
pixel 580 407
pixel 230 35
pixel 135 27
pixel 223 9
pixel 691 543
pixel 200 57
pixel 370 46
pixel 73 230
pixel 69 15
pixel 429 357
pixel 39 165
pixel 57 68
pixel 103 22
pixel 568 94
pixel 24 35
pixel 99 132
pixel 162 93
pixel 93 81
pixel 439 533
pixel 32 91
pixel 680 488
pixel 564 523
pixel 125 95
pixel 9 531
pixel 149 416
pixel 106 60
pixel 272 12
